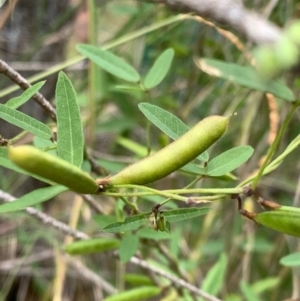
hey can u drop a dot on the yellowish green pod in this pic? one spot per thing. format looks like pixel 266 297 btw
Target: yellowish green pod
pixel 138 279
pixel 137 294
pixel 55 169
pixel 172 157
pixel 284 221
pixel 94 245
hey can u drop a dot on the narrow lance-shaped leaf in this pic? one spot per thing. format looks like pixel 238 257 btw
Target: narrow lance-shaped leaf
pixel 16 102
pixel 214 279
pixel 177 215
pixel 168 123
pixel 70 140
pixel 134 222
pixel 25 122
pixel 159 69
pixel 229 160
pixel 109 62
pixel 33 198
pixel 244 76
pixel 248 292
pixel 130 223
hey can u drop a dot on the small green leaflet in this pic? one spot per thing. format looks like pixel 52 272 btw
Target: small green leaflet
pixel 109 62
pixel 128 247
pixel 244 76
pixel 25 122
pixel 214 279
pixel 159 69
pixel 168 123
pixel 229 160
pixel 291 260
pixel 134 222
pixel 265 284
pixel 130 223
pixel 184 213
pixel 193 169
pixel 70 140
pixel 33 198
pixel 248 292
pixel 16 102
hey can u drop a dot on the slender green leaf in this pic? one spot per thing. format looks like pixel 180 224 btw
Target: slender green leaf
pixel 184 213
pixel 130 223
pixel 16 102
pixel 159 69
pixel 168 123
pixel 104 220
pixel 229 160
pixel 33 198
pixel 25 122
pixel 265 284
pixel 94 245
pixel 248 292
pixel 193 169
pixel 134 222
pixel 135 147
pixel 128 247
pixel 70 140
pixel 214 279
pixel 291 260
pixel 245 76
pixel 109 62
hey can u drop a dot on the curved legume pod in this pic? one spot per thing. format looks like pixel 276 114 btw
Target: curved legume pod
pixel 284 221
pixel 93 245
pixel 136 294
pixel 172 157
pixel 55 169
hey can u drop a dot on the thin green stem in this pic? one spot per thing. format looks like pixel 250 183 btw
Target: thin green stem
pixel 275 144
pixel 189 185
pixel 123 199
pixel 92 82
pixel 18 137
pixel 276 162
pixel 151 191
pixel 185 191
pixel 206 190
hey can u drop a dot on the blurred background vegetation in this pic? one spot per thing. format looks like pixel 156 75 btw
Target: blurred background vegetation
pixel 38 35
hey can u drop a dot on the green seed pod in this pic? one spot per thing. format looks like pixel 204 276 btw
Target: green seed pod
pixel 94 245
pixel 284 221
pixel 172 157
pixel 55 169
pixel 137 294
